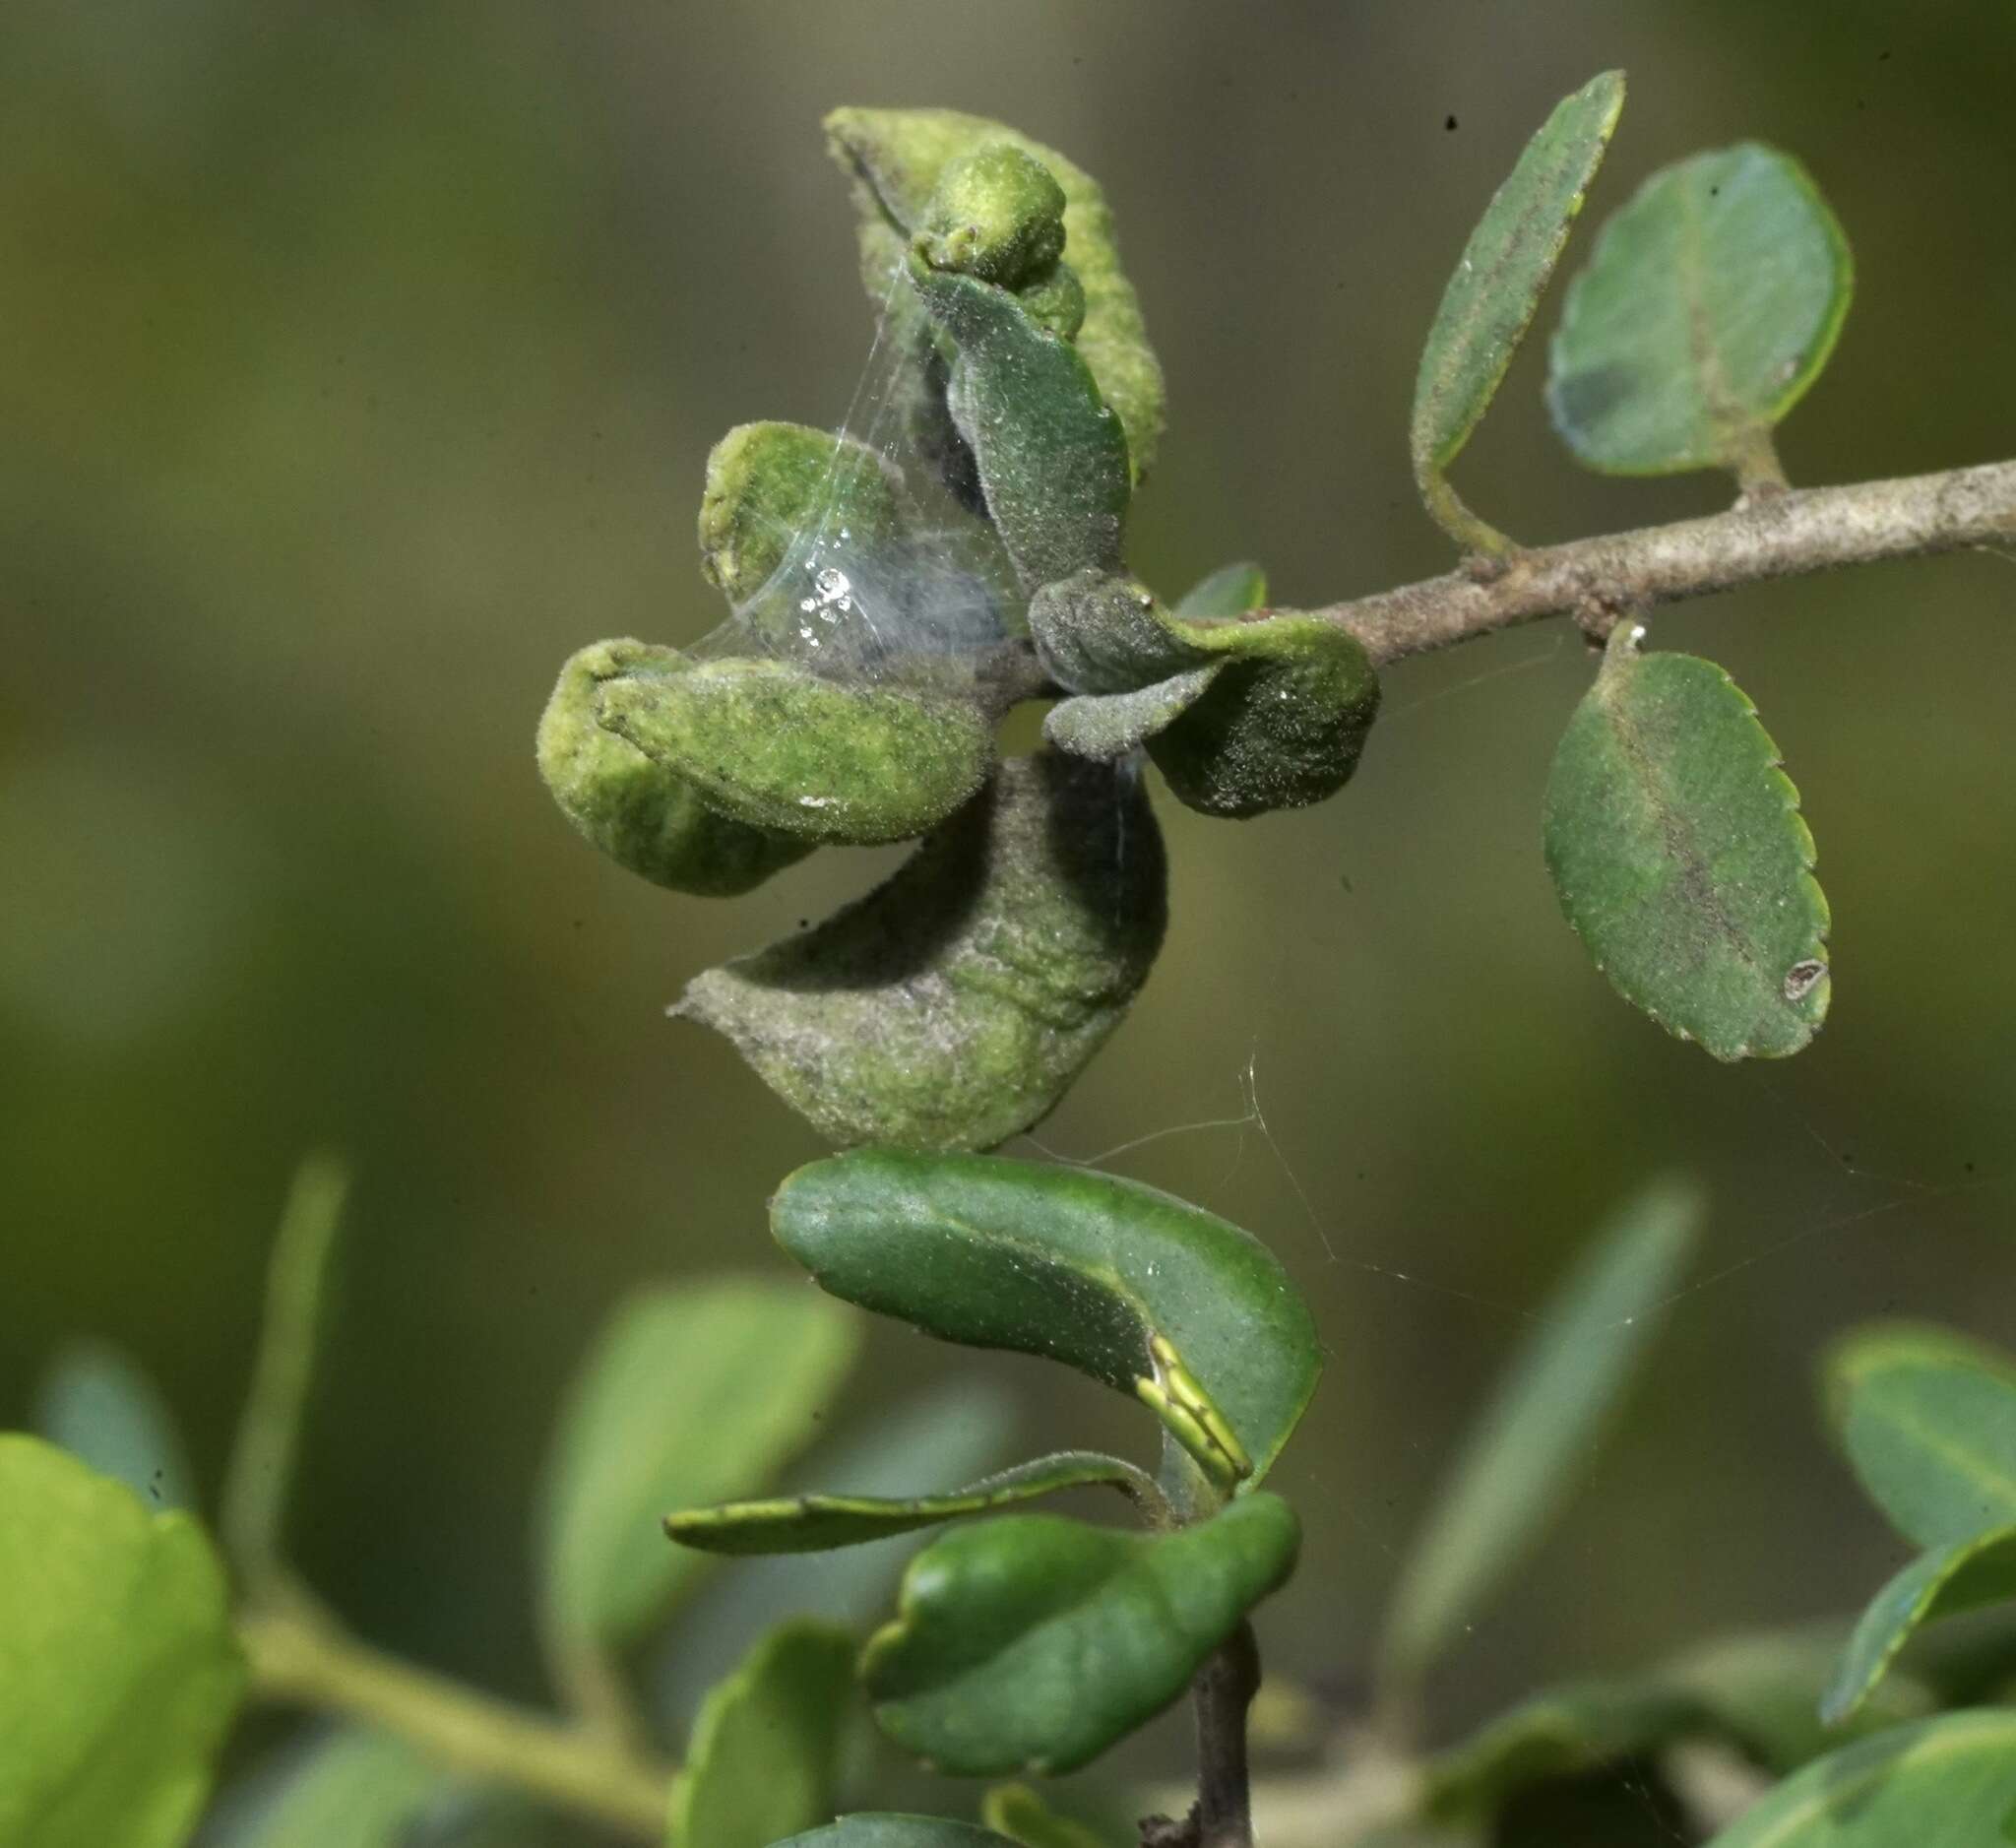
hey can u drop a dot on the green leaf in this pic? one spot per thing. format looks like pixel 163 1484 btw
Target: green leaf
pixel 778 747
pixel 818 1523
pixel 1023 1817
pixel 897 159
pixel 1491 297
pixel 1962 1575
pixel 1680 857
pixel 1105 1275
pixel 100 1404
pixel 1033 1642
pixel 644 815
pixel 1949 1781
pixel 1929 1420
pixel 1711 303
pixel 766 1746
pixel 955 1004
pixel 1051 455
pixel 896 1831
pixel 1540 1425
pixel 690 1395
pixel 356 1789
pixel 118 1671
pixel 1108 725
pixel 1229 591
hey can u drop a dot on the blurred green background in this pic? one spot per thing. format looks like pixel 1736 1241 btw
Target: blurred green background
pixel 357 362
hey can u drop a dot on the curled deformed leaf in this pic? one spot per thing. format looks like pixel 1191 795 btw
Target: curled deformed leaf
pixel 120 1671
pixel 816 1523
pixel 954 1006
pixel 1108 725
pixel 1929 1420
pixel 1950 1780
pixel 1962 1575
pixel 997 213
pixel 1490 299
pixel 1680 858
pixel 1035 1643
pixel 765 1750
pixel 1711 303
pixel 1120 1281
pixel 897 159
pixel 638 810
pixel 1051 454
pixel 1102 632
pixel 779 748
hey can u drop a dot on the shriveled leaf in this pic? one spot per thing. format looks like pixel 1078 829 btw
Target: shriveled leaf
pixel 1051 454
pixel 818 1523
pixel 1035 1643
pixel 955 1004
pixel 1950 1781
pixel 690 1395
pixel 1711 303
pixel 98 1403
pixel 1491 297
pixel 1680 858
pixel 897 1831
pixel 1120 1281
pixel 1099 631
pixel 1023 1817
pixel 765 1748
pixel 354 1789
pixel 642 813
pixel 897 159
pixel 997 213
pixel 1229 591
pixel 1962 1575
pixel 1540 1425
pixel 1108 725
pixel 773 745
pixel 1929 1420
pixel 118 1671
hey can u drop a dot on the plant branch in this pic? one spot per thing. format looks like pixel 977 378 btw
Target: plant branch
pixel 1778 536
pixel 1222 1816
pixel 299 1659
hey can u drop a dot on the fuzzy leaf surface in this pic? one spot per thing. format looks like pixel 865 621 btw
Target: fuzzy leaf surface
pixel 119 1673
pixel 1540 1424
pixel 1490 298
pixel 1082 1267
pixel 818 1523
pixel 1711 303
pixel 1680 856
pixel 1035 1643
pixel 689 1395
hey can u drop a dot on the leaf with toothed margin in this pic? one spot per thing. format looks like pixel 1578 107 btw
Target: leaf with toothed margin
pixel 1490 299
pixel 778 747
pixel 816 1523
pixel 1105 1275
pixel 1680 858
pixel 955 1004
pixel 1033 1642
pixel 897 1831
pixel 644 815
pixel 1711 303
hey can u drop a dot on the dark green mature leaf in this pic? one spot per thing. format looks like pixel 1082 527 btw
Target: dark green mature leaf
pixel 1711 303
pixel 1051 454
pixel 1025 1819
pixel 817 1523
pixel 897 1831
pixel 1949 1781
pixel 643 814
pixel 765 1748
pixel 1962 1575
pixel 1540 1424
pixel 1491 297
pixel 897 159
pixel 118 1671
pixel 1929 1420
pixel 1033 1642
pixel 1680 858
pixel 356 1789
pixel 690 1395
pixel 98 1403
pixel 1081 1267
pixel 777 747
pixel 955 1004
